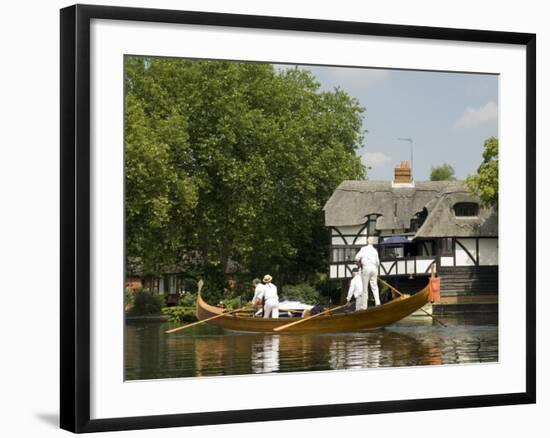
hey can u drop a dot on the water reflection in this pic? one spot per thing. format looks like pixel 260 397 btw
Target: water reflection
pixel 265 355
pixel 210 351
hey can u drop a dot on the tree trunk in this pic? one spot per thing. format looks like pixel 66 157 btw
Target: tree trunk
pixel 227 245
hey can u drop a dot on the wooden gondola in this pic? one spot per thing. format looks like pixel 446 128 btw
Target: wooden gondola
pixel 338 322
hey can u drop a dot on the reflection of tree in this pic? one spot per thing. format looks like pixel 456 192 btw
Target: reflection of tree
pixel 209 355
pixel 144 350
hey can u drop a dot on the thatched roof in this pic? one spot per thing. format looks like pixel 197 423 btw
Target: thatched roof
pixel 441 220
pixel 353 201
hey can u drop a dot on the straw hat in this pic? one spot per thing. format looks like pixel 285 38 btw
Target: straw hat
pixel 267 278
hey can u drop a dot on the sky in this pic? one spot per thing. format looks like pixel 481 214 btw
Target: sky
pixel 447 115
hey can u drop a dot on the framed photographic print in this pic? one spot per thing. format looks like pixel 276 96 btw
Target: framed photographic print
pixel 268 218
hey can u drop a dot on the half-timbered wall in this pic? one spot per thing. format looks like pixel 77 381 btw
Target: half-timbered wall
pixel 475 252
pixel 354 235
pixel 445 253
pixel 346 242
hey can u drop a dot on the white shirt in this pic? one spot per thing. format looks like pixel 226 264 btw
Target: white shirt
pixel 368 256
pixel 258 293
pixel 355 287
pixel 269 293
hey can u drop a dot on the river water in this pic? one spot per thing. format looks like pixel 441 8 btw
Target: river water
pixel 209 351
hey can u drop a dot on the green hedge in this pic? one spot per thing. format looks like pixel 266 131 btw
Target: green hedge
pixel 180 314
pixel 146 303
pixel 301 292
pixel 188 300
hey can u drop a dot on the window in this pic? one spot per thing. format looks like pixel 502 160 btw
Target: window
pixel 344 254
pixel 466 209
pixel 425 248
pixel 371 225
pixel 418 219
pixel 446 246
pixel 393 252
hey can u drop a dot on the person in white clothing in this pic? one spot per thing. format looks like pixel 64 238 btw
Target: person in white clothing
pixel 368 259
pixel 270 297
pixel 258 288
pixel 356 290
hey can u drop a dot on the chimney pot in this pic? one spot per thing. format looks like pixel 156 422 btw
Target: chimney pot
pixel 402 173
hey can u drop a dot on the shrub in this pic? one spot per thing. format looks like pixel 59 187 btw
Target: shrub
pixel 145 303
pixel 329 290
pixel 180 314
pixel 188 300
pixel 128 298
pixel 214 285
pixel 243 288
pixel 301 292
pixel 190 285
pixel 233 303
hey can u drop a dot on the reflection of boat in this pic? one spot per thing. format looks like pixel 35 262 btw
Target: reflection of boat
pixel 373 317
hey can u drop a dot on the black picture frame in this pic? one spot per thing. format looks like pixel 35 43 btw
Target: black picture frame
pixel 75 217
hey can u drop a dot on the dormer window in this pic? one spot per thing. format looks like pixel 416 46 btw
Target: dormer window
pixel 371 224
pixel 466 209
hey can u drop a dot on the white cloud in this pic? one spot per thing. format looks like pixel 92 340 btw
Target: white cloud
pixel 477 116
pixel 375 159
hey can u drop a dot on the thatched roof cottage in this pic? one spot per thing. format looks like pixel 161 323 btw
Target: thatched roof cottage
pixel 417 224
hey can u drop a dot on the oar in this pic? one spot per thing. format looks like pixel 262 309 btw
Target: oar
pixel 177 329
pixel 282 327
pixel 402 294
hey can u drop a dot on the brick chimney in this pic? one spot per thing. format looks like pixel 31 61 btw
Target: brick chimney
pixel 402 174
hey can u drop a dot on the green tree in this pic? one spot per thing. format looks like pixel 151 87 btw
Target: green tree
pixel 155 192
pixel 234 161
pixel 445 172
pixel 485 183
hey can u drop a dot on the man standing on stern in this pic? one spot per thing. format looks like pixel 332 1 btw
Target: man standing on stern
pixel 367 258
pixel 356 290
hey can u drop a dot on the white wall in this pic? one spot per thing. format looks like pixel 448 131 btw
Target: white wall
pixel 461 256
pixel 488 252
pixel 29 232
pixel 349 231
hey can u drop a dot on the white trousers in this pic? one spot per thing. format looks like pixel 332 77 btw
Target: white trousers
pixel 271 308
pixel 361 302
pixel 369 275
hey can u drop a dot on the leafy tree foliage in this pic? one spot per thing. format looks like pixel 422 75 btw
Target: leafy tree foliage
pixel 445 172
pixel 485 183
pixel 303 292
pixel 229 161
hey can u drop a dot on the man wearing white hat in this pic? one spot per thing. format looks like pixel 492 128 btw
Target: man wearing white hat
pixel 367 257
pixel 270 298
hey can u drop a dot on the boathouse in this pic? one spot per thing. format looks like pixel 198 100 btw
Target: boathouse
pixel 417 225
